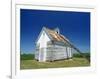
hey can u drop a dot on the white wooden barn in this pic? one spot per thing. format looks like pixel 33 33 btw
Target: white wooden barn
pixel 51 45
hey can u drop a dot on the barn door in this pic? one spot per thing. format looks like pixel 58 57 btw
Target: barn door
pixel 41 55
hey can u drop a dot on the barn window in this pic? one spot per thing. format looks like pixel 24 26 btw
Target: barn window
pixel 43 33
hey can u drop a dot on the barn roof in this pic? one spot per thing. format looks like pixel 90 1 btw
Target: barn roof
pixel 56 36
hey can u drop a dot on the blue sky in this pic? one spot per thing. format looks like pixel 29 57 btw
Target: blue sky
pixel 73 25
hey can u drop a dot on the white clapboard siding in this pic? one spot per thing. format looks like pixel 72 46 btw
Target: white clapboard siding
pixel 56 53
pixel 59 53
pixel 69 50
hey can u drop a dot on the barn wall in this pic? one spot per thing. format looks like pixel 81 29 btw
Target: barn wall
pixel 40 54
pixel 37 54
pixel 56 53
pixel 69 50
pixel 43 40
pixel 41 45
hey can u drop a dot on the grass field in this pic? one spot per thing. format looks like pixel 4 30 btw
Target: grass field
pixel 74 62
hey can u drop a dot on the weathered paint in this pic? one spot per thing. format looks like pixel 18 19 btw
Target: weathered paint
pixel 51 52
pixel 58 52
pixel 42 42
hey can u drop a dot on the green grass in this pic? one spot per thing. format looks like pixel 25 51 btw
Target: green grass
pixel 74 62
pixel 27 56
